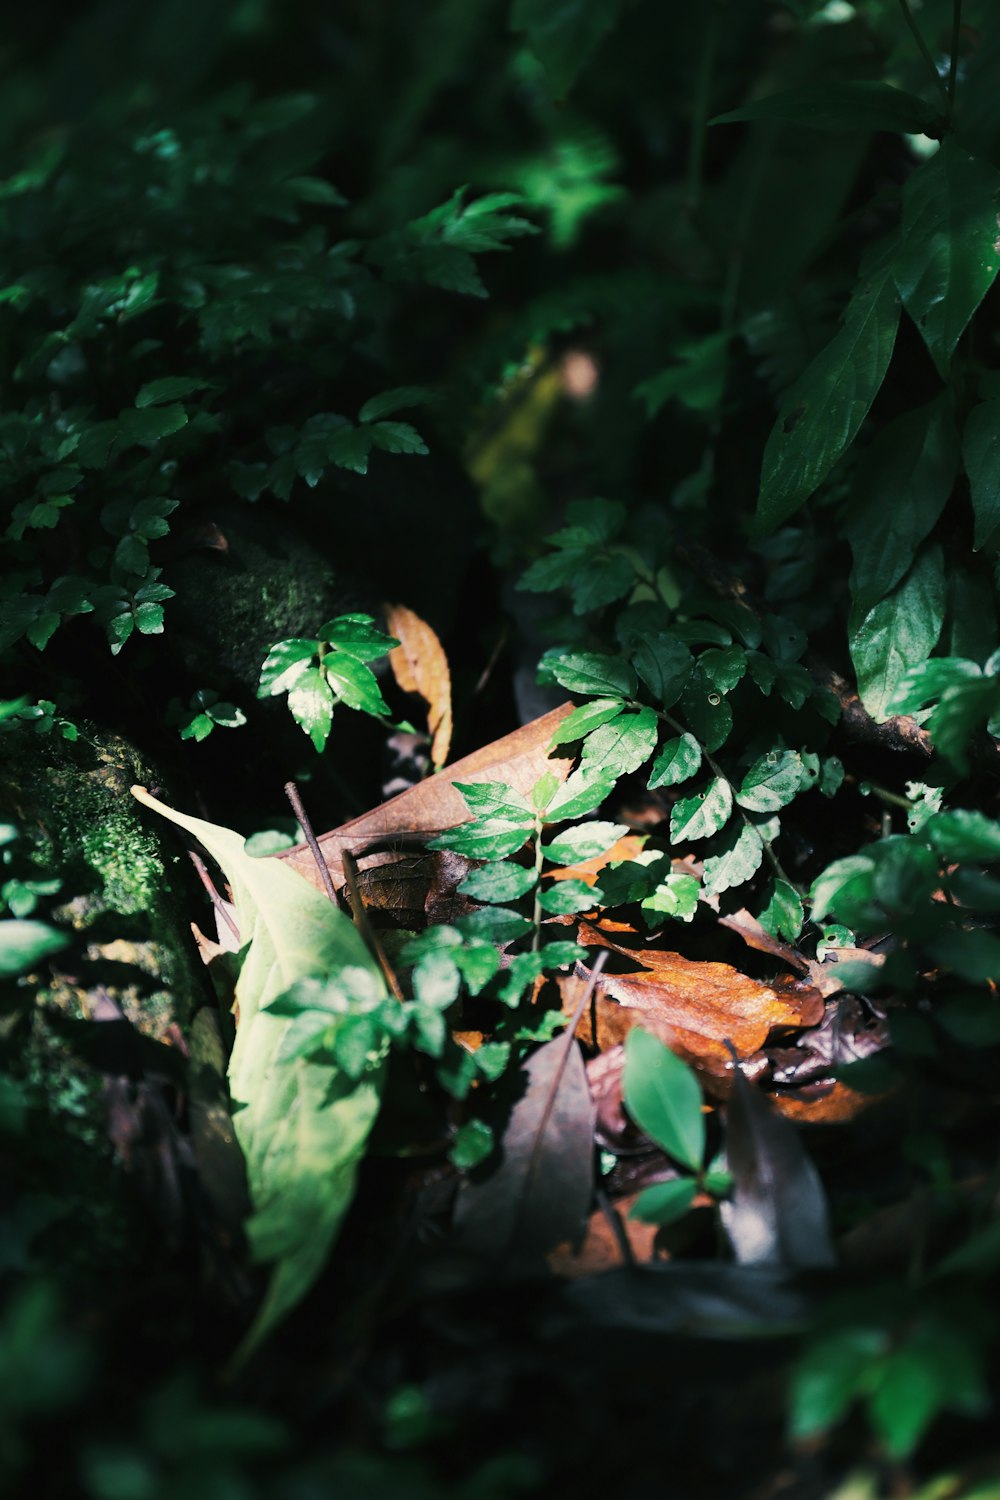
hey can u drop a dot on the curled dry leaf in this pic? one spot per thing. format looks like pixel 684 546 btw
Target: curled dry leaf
pixel 434 806
pixel 419 665
pixel 692 1006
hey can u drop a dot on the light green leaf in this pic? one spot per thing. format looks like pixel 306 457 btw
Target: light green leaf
pixel 739 858
pixel 678 759
pixel 947 258
pixel 663 1097
pixel 782 915
pixel 389 401
pixel 579 794
pixel 285 662
pixel 311 704
pixel 585 841
pixel 354 683
pixel 358 635
pixel 303 1128
pixel 588 716
pixel 898 632
pixel 621 746
pixel 563 898
pixel 822 413
pixel 24 944
pixel 703 814
pixel 498 882
pixel 664 1202
pixel 589 672
pixel 965 836
pixel 771 782
pixel 677 897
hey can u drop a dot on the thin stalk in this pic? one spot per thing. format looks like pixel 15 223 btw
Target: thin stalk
pixel 956 39
pixel 292 793
pixel 699 117
pixel 362 922
pixel 925 52
pixel 536 915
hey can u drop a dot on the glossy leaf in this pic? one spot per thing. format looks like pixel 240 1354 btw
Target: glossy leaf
pixel 947 258
pixel 737 860
pixel 578 724
pixel 500 882
pixel 898 632
pixel 821 414
pixel 588 672
pixel 782 915
pixel 664 1202
pixel 583 842
pixel 771 782
pixel 703 814
pixel 677 760
pixel 311 704
pixel 663 1097
pixel 664 664
pixel 621 746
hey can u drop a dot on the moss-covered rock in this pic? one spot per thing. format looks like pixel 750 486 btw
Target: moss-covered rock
pixel 125 890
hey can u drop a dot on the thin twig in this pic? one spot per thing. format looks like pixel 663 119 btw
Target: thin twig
pixel 614 1222
pixel 362 922
pixel 213 894
pixel 956 39
pixel 292 793
pixel 925 51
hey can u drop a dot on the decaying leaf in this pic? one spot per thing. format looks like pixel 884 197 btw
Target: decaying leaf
pixel 776 1213
pixel 690 1005
pixel 419 665
pixel 303 1128
pixel 518 760
pixel 539 1195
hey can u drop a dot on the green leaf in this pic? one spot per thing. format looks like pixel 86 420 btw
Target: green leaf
pixel 621 746
pixel 703 814
pixel 152 423
pixel 972 955
pixel 855 105
pixel 566 897
pixel 771 782
pixel 822 413
pixel 588 672
pixel 358 636
pixel 898 632
pixel 578 724
pixel 706 711
pixel 847 887
pixel 782 915
pixel 354 683
pixel 965 836
pixel 698 379
pixel 472 1144
pixel 947 258
pixel 981 456
pixel 676 897
pixel 303 1127
pixel 169 388
pixel 23 944
pixel 663 1097
pixel 724 666
pixel 397 437
pixel 664 1202
pixel 678 759
pixel 284 663
pixel 564 34
pixel 903 485
pixel 499 882
pixel 389 401
pixel 585 841
pixel 310 702
pixel 579 794
pixel 664 664
pixel 738 859
pixel 349 447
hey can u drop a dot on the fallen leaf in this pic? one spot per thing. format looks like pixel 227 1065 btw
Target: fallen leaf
pixel 539 1195
pixel 419 665
pixel 587 870
pixel 518 760
pixel 692 1006
pixel 776 1213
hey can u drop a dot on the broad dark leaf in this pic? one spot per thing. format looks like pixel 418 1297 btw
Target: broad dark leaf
pixel 856 105
pixel 540 1193
pixel 777 1213
pixel 898 632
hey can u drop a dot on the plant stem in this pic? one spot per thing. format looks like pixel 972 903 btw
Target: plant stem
pixel 925 53
pixel 292 793
pixel 362 922
pixel 699 116
pixel 956 37
pixel 536 915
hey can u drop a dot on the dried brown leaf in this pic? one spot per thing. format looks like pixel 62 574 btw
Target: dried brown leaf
pixel 419 665
pixel 435 805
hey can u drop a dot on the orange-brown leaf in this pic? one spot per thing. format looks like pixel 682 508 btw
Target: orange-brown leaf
pixel 419 665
